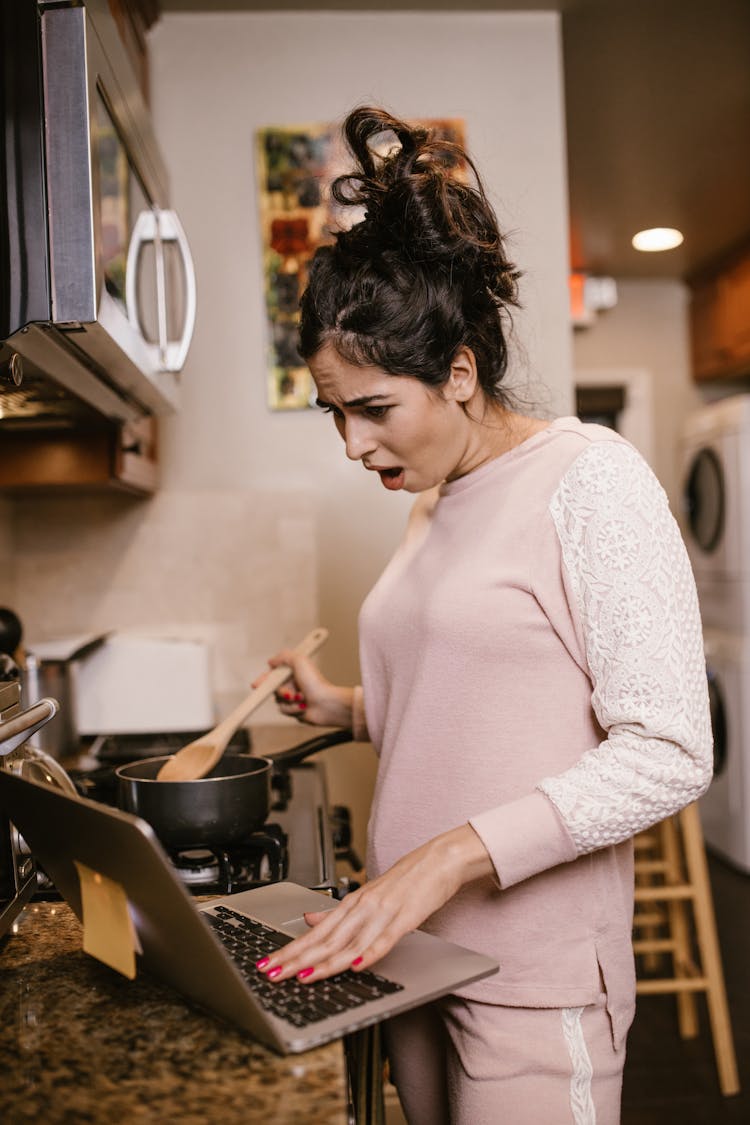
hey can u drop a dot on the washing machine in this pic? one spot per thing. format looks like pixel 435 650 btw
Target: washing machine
pixel 715 462
pixel 725 807
pixel 716 488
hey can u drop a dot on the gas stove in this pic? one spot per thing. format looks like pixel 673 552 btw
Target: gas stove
pixel 301 841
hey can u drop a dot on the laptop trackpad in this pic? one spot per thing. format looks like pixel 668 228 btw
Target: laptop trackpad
pixel 296 926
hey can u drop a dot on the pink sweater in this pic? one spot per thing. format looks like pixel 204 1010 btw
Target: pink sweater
pixel 532 663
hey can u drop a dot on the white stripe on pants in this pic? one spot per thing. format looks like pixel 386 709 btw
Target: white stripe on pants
pixel 461 1062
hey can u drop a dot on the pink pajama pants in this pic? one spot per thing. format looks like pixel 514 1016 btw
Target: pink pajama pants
pixel 461 1062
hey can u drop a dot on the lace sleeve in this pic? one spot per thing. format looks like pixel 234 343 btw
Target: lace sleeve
pixel 632 586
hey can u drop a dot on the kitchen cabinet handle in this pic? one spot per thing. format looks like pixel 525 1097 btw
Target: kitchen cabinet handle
pixel 159 226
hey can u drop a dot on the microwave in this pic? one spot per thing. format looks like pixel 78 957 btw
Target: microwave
pixel 97 292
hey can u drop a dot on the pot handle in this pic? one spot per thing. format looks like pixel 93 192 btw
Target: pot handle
pixel 303 750
pixel 15 731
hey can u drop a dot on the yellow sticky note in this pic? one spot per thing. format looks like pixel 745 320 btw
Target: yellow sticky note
pixel 108 930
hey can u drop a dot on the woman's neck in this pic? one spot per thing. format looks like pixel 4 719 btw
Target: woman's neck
pixel 493 432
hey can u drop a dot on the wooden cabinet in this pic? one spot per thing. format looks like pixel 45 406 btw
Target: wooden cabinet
pixel 97 457
pixel 720 320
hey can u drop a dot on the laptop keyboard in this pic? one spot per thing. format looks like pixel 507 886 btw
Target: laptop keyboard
pixel 247 940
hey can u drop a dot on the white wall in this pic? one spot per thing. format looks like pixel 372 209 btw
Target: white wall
pixel 649 329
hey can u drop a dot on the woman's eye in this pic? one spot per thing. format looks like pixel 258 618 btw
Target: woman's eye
pixel 376 411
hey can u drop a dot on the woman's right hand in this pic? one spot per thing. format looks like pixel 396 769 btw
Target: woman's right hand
pixel 308 696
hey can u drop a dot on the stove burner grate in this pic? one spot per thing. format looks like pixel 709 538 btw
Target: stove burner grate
pixel 261 858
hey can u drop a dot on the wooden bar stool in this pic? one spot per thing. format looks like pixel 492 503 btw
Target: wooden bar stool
pixel 671 885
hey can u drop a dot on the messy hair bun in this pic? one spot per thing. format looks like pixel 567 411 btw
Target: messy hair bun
pixel 423 273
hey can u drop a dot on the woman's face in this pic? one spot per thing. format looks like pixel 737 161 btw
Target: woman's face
pixel 414 437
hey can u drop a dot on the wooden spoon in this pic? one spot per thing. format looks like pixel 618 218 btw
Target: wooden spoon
pixel 200 756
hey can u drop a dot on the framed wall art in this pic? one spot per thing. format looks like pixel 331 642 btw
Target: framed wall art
pixel 294 165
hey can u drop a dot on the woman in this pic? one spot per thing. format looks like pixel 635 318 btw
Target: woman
pixel 532 662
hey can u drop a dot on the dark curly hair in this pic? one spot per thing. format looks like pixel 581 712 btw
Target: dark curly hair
pixel 423 274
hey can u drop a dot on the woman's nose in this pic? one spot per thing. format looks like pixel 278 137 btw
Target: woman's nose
pixel 356 439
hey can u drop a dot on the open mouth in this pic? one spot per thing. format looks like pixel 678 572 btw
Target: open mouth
pixel 392 478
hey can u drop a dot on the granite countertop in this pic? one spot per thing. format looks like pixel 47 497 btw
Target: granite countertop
pixel 82 1044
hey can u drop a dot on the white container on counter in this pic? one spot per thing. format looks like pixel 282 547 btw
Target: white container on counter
pixel 133 684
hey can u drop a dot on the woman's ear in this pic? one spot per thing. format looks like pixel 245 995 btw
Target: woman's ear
pixel 463 380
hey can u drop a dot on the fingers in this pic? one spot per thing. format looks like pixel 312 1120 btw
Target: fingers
pixel 325 965
pixel 330 931
pixel 286 656
pixel 369 921
pixel 290 695
pixel 289 698
pixel 308 696
pixel 355 935
pixel 314 918
pixel 291 702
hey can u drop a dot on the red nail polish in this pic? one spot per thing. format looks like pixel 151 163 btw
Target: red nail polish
pixel 357 961
pixel 274 972
pixel 302 706
pixel 262 963
pixel 305 973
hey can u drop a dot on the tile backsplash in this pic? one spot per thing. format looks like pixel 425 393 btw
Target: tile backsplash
pixel 236 569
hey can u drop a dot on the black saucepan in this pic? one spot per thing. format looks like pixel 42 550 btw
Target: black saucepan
pixel 214 811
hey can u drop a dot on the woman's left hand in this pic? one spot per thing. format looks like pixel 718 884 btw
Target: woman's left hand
pixel 369 921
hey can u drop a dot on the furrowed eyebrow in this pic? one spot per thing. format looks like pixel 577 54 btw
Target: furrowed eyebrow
pixel 364 401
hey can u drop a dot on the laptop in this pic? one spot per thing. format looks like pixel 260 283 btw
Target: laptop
pixel 207 951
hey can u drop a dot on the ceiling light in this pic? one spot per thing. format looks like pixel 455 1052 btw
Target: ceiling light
pixel 657 238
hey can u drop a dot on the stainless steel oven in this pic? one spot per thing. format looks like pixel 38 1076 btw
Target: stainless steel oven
pixel 97 297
